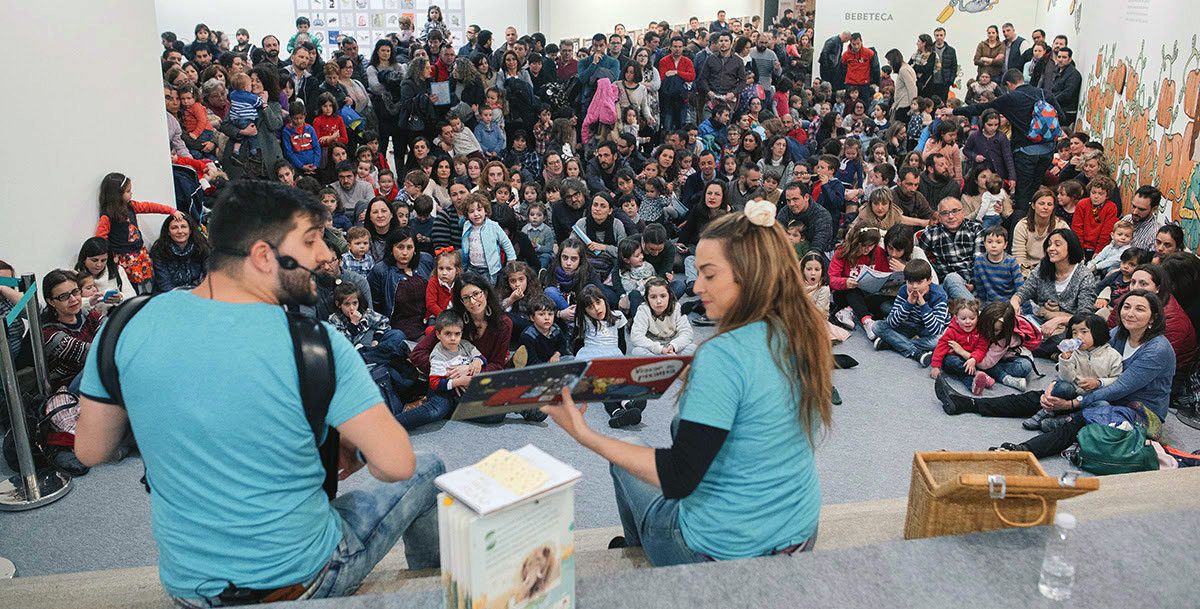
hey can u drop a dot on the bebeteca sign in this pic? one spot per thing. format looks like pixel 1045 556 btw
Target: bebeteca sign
pixel 888 24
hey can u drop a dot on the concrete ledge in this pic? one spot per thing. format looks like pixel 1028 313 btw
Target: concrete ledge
pixel 846 525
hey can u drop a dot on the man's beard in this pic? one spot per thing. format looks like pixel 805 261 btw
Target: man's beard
pixel 296 288
pixel 273 54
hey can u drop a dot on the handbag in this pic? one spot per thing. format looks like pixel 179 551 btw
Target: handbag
pixel 1104 449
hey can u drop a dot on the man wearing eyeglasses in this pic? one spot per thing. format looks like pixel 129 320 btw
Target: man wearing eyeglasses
pixel 951 245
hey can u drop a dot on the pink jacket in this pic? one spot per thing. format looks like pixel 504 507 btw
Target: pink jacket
pixel 603 108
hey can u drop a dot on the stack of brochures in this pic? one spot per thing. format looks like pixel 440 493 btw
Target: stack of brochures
pixel 506 528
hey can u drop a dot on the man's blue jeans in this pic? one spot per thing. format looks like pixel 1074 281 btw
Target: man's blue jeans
pixel 901 340
pixel 956 287
pixel 373 519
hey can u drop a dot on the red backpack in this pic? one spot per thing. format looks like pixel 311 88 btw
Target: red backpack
pixel 1030 333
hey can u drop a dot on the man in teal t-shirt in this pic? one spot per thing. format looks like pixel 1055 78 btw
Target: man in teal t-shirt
pixel 211 391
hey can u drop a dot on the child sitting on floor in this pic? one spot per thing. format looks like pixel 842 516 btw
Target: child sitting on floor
pixel 997 274
pixel 447 268
pixel 961 347
pixel 918 317
pixel 1087 363
pixel 358 258
pixel 518 285
pixel 451 352
pixel 363 327
pixel 659 328
pixel 816 285
pixel 542 341
pixel 1116 284
pixel 598 330
pixel 1109 258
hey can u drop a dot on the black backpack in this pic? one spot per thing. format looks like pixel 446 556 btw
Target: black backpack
pixel 314 361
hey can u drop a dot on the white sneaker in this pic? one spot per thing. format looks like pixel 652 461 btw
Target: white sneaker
pixel 1019 384
pixel 845 317
pixel 869 327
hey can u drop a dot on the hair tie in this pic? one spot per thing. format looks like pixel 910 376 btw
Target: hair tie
pixel 760 213
pixel 449 249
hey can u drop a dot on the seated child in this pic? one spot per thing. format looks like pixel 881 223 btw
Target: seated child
pixel 1109 258
pixel 1087 362
pixel 518 285
pixel 659 328
pixel 244 107
pixel 451 352
pixel 195 123
pixel 795 233
pixel 1116 283
pixel 627 212
pixel 633 271
pixel 961 347
pixel 816 285
pixel 489 134
pixel 918 317
pixel 387 186
pixel 329 199
pixel 598 331
pixel 540 234
pixel 997 274
pixel 421 222
pixel 542 341
pixel 363 327
pixel 447 267
pixel 1095 216
pixel 358 258
pixel 991 202
pixel 656 202
pixel 770 188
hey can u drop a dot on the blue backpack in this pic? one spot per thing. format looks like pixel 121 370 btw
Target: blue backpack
pixel 1044 125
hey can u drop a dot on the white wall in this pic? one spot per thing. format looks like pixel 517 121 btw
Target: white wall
pixel 259 17
pixel 888 24
pixel 58 145
pixel 572 19
pixel 497 15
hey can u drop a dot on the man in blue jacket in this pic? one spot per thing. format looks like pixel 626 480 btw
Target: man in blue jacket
pixel 599 64
pixel 1031 159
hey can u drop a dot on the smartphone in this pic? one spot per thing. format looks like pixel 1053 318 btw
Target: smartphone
pixel 109 295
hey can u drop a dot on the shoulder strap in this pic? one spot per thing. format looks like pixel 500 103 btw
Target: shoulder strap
pixel 318 379
pixel 106 361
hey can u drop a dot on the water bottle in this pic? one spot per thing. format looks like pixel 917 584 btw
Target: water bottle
pixel 1058 570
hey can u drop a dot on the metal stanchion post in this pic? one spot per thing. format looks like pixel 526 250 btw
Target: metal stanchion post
pixel 34 316
pixel 30 488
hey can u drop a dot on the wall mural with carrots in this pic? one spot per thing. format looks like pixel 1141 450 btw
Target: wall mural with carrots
pixel 1143 103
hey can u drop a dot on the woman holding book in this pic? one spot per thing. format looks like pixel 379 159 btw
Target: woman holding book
pixel 684 504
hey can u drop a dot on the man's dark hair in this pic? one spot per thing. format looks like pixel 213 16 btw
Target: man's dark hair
pixel 1149 192
pixel 654 234
pixel 1063 38
pixel 908 170
pixel 611 146
pixel 804 189
pixel 931 160
pixel 886 171
pixel 628 138
pixel 1067 50
pixel 247 211
pixel 856 36
pixel 917 270
pixel 347 165
pixel 1014 77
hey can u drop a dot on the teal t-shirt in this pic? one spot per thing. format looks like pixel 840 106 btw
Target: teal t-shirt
pixel 213 396
pixel 761 492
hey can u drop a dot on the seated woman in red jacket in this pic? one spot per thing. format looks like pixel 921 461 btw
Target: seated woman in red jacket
pixel 1095 216
pixel 861 248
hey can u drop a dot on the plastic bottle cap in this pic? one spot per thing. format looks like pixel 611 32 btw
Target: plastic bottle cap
pixel 1064 520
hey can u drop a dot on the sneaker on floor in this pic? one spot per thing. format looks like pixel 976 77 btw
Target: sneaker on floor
pixel 687 307
pixel 868 325
pixel 520 357
pixel 845 318
pixel 925 359
pixel 617 542
pixel 703 320
pixel 1035 422
pixel 624 417
pixel 981 382
pixel 640 405
pixel 533 416
pixel 878 343
pixel 1009 447
pixel 1017 383
pixel 611 407
pixel 66 461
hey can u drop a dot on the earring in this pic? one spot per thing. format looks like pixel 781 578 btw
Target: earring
pixel 488 311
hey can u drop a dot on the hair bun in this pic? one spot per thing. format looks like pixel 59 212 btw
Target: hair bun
pixel 760 212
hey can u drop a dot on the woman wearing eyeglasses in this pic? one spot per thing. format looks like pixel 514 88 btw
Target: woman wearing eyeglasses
pixel 66 330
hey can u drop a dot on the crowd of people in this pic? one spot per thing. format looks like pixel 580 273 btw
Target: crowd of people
pixel 554 206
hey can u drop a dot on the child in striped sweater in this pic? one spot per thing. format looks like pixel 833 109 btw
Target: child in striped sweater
pixel 997 274
pixel 918 318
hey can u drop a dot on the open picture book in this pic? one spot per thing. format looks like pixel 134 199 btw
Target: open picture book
pixel 600 380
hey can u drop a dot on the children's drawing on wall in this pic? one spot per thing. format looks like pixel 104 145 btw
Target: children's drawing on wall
pixel 966 6
pixel 1148 123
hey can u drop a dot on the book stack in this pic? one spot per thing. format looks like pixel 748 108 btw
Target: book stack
pixel 506 528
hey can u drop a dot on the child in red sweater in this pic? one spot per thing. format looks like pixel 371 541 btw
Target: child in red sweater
pixel 1095 216
pixel 861 248
pixel 961 347
pixel 328 123
pixel 437 292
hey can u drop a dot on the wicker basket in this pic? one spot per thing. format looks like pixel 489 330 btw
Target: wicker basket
pixel 955 493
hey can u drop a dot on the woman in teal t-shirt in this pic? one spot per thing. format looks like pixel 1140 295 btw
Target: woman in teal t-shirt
pixel 739 479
